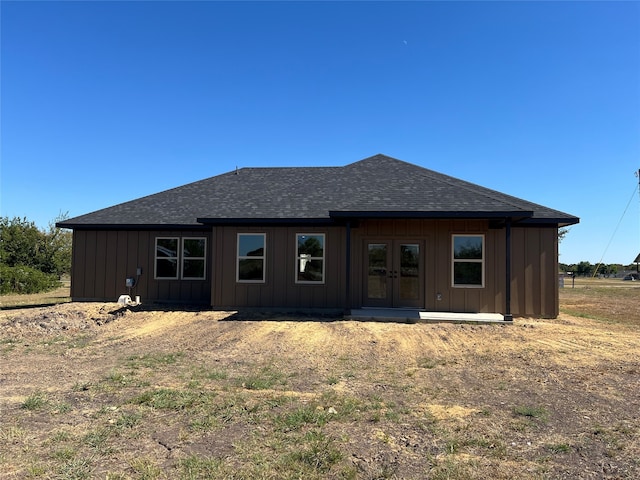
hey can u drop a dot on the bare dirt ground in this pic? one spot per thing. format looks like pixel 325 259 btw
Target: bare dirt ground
pixel 99 391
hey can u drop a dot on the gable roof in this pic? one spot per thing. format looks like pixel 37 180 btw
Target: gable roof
pixel 376 187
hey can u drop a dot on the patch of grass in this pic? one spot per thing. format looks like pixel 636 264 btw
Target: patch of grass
pixel 98 439
pixel 204 373
pixel 119 379
pixel 302 415
pixel 35 401
pixel 427 362
pixel 153 360
pixel 7 344
pixel 529 411
pixel 265 378
pixel 128 420
pixel 78 468
pixel 11 434
pixel 317 451
pixel 332 380
pixel 81 341
pixel 36 470
pixel 347 407
pixel 81 386
pixel 558 447
pixel 61 436
pixel 204 423
pixel 194 467
pixel 172 399
pixel 145 469
pixel 450 467
pixel 61 407
pixel 65 453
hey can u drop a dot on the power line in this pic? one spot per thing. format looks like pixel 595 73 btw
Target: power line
pixel 617 226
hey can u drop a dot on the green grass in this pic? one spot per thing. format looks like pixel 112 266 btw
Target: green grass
pixel 174 399
pixel 317 451
pixel 263 378
pixel 428 363
pixel 77 468
pixel 537 412
pixel 7 344
pixel 300 416
pixel 558 447
pixel 153 360
pixel 194 467
pixel 35 401
pixel 145 469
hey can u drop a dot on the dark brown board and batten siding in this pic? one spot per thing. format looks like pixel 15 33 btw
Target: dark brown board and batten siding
pixel 279 288
pixel 103 259
pixel 534 263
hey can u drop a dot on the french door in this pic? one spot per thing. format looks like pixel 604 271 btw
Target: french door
pixel 394 274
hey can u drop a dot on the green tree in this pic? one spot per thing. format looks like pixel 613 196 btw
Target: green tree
pixel 59 242
pixel 21 243
pixel 27 253
pixel 584 269
pixel 562 232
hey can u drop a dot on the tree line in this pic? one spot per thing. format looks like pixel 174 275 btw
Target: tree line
pixel 586 269
pixel 33 260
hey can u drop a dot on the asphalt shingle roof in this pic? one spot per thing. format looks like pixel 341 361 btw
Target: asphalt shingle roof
pixel 376 186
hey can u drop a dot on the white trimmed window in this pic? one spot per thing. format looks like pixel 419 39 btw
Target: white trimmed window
pixel 184 258
pixel 310 257
pixel 194 258
pixel 251 258
pixel 467 267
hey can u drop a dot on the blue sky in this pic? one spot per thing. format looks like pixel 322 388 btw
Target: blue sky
pixel 104 102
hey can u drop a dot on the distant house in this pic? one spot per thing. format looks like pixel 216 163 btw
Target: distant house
pixel 379 232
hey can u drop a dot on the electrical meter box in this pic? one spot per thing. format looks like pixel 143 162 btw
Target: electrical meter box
pixel 130 282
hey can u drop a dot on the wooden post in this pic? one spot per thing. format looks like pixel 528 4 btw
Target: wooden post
pixel 348 270
pixel 507 291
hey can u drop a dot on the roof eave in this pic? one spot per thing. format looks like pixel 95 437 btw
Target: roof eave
pixel 558 221
pixel 130 226
pixel 364 214
pixel 265 221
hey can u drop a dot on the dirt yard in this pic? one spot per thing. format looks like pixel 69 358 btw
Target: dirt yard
pixel 98 391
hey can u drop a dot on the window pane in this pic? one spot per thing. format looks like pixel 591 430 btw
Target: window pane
pixel 194 247
pixel 167 247
pixel 166 268
pixel 377 274
pixel 467 273
pixel 409 255
pixel 312 245
pixel 409 272
pixel 467 247
pixel 193 269
pixel 310 270
pixel 251 269
pixel 251 245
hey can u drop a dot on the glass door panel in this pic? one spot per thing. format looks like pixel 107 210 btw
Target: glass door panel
pixel 377 263
pixel 409 281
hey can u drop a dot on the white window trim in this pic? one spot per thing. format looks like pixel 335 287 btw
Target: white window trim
pixel 204 259
pixel 156 258
pixel 324 263
pixel 467 260
pixel 263 257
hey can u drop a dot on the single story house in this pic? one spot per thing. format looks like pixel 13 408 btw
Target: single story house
pixel 379 232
